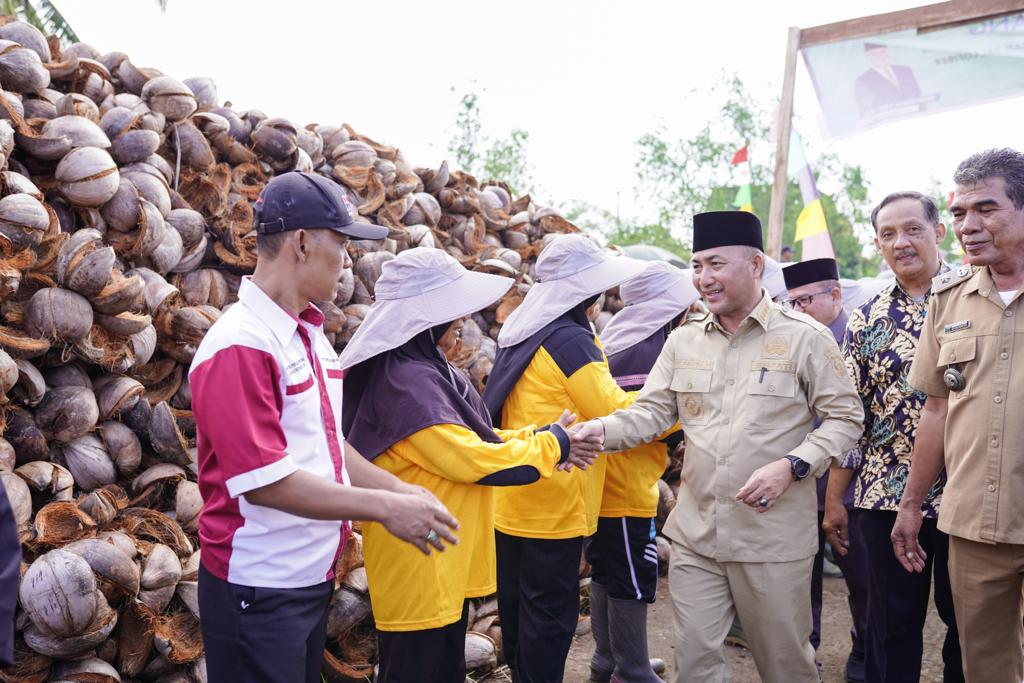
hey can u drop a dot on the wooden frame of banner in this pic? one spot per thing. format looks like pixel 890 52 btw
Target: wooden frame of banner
pixel 928 17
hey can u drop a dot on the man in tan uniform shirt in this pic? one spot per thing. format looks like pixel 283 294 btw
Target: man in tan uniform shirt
pixel 746 382
pixel 970 362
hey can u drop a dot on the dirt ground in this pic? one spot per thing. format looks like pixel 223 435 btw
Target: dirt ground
pixel 832 655
pixel 835 641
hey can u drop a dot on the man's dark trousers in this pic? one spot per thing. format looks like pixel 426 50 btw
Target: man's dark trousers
pixel 855 575
pixel 263 635
pixel 538 604
pixel 898 602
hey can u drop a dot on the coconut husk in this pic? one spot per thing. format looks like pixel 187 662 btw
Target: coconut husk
pixel 337 671
pixel 135 638
pixel 152 526
pixel 59 523
pixel 29 666
pixel 178 637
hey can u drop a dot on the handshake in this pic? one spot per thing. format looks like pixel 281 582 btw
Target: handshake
pixel 586 441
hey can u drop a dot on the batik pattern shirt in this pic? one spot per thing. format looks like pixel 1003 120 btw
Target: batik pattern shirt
pixel 881 338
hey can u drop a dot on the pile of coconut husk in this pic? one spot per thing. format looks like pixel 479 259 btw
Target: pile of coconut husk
pixel 126 206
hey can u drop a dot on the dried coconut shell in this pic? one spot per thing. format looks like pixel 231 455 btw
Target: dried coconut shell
pixel 123 446
pixel 91 670
pixel 66 413
pixel 89 463
pixel 20 499
pixel 481 653
pixel 188 503
pixel 116 573
pixel 23 220
pixel 87 177
pixel 58 315
pixel 170 97
pixel 77 104
pixel 25 437
pixel 124 324
pixel 66 647
pixel 30 386
pixel 84 264
pixel 116 394
pixel 48 480
pixel 59 593
pixel 8 458
pixel 348 608
pixel 104 503
pixel 21 70
pixel 122 293
pixel 166 438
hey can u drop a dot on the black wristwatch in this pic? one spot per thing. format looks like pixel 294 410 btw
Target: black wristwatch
pixel 800 468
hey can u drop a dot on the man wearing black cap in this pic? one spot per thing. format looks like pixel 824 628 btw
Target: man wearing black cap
pixel 813 288
pixel 745 381
pixel 278 480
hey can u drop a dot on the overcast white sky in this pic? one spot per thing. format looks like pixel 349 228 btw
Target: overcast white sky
pixel 586 79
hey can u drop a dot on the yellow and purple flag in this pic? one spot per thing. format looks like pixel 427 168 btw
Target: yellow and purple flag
pixel 811 226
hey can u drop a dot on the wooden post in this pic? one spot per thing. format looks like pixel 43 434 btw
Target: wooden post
pixel 784 126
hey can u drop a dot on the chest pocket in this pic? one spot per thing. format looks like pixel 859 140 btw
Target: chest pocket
pixel 692 387
pixel 959 354
pixel 770 388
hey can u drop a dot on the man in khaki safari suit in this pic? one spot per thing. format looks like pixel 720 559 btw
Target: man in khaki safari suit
pixel 746 382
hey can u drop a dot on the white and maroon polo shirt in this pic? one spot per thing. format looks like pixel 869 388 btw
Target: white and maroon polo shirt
pixel 266 393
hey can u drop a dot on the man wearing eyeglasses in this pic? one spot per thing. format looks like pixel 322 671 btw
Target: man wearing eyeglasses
pixel 813 288
pixel 881 343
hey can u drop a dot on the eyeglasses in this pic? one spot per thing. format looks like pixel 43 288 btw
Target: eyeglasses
pixel 804 301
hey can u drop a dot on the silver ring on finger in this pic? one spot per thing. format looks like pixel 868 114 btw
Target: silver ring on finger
pixel 432 537
pixel 763 502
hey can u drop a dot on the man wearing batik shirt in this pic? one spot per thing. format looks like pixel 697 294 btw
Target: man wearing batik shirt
pixel 880 342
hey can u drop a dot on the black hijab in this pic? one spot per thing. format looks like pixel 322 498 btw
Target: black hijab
pixel 511 362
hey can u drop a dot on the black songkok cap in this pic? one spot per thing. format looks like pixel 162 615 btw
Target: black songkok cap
pixel 806 272
pixel 726 229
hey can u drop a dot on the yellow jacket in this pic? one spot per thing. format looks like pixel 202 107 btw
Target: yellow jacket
pixel 410 591
pixel 565 506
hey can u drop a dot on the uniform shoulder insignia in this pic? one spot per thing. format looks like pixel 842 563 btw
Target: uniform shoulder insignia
pixel 802 317
pixel 952 278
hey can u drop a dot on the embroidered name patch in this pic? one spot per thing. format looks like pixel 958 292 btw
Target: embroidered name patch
pixel 957 326
pixel 694 364
pixel 773 365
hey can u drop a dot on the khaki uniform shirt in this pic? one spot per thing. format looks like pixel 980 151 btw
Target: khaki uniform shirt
pixel 969 328
pixel 745 400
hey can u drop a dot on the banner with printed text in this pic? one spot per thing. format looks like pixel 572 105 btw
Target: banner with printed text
pixel 864 82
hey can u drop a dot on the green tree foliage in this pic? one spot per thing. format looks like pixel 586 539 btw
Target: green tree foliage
pixel 502 158
pixel 42 14
pixel 682 177
pixel 45 16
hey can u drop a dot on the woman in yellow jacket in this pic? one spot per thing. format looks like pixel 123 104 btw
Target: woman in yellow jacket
pixel 623 554
pixel 416 416
pixel 549 360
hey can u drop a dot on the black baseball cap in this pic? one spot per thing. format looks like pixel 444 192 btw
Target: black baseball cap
pixel 307 201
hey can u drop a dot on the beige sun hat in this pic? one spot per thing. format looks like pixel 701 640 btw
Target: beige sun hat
pixel 571 269
pixel 419 289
